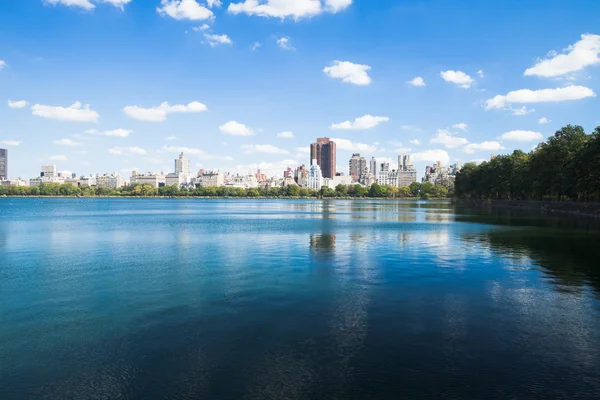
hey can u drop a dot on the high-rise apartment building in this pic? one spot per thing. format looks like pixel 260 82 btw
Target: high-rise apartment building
pixel 373 166
pixel 182 165
pixel 3 164
pixel 315 177
pixel 358 167
pixel 324 151
pixel 407 173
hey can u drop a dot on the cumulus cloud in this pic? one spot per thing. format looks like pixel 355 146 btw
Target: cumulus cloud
pixel 214 3
pixel 543 121
pixel 480 73
pixel 184 9
pixel 58 158
pixel 2 64
pixel 67 142
pixel 236 129
pixel 462 126
pixel 457 77
pixel 286 135
pixel 444 137
pixel 483 146
pixel 17 104
pixel 284 43
pixel 295 9
pixel 184 150
pixel 348 72
pixel 75 113
pixel 117 3
pixel 201 28
pixel 521 136
pixel 11 142
pixel 525 96
pixel 159 113
pixel 85 4
pixel 132 150
pixel 263 148
pixel 418 81
pixel 114 132
pixel 432 156
pixel 416 142
pixel 215 40
pixel 520 111
pixel 345 144
pixel 582 54
pixel 256 46
pixel 362 123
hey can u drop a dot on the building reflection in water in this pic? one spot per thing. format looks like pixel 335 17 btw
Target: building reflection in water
pixel 322 243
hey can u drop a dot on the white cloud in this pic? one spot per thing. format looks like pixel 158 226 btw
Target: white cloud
pixel 416 142
pixel 67 142
pixel 345 144
pixel 520 111
pixel 2 64
pixel 480 73
pixel 11 142
pixel 432 156
pixel 256 46
pixel 132 150
pixel 349 72
pixel 58 158
pixel 458 77
pixel 117 3
pixel 483 146
pixel 75 112
pixel 263 148
pixel 236 129
pixel 200 28
pixel 286 135
pixel 184 150
pixel 85 4
pixel 521 136
pixel 172 137
pixel 214 3
pixel 17 104
pixel 295 9
pixel 268 168
pixel 159 113
pixel 462 126
pixel 418 81
pixel 444 137
pixel 362 123
pixel 525 96
pixel 284 43
pixel 184 9
pixel 410 128
pixel 584 53
pixel 113 133
pixel 543 121
pixel 215 40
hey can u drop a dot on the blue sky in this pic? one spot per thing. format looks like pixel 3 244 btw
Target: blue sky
pixel 491 72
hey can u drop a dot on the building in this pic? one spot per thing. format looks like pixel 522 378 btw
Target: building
pixel 373 167
pixel 324 152
pixel 439 175
pixel 48 174
pixel 301 175
pixel 407 173
pixel 211 179
pixel 337 180
pixel 49 171
pixel 315 176
pixel 3 164
pixel 182 165
pixel 357 167
pixel 288 173
pixel 110 181
pixel 154 180
pixel 382 176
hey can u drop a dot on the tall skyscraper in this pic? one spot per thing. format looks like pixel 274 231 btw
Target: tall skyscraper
pixel 358 167
pixel 324 151
pixel 404 162
pixel 3 164
pixel 373 167
pixel 182 165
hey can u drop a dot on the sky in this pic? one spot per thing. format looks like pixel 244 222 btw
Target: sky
pixel 99 86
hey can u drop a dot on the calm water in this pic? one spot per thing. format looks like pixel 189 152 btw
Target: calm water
pixel 207 299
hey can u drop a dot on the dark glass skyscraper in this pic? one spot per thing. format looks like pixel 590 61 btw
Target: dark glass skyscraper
pixel 3 164
pixel 324 151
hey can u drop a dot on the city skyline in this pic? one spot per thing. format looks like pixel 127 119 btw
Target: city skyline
pixel 239 90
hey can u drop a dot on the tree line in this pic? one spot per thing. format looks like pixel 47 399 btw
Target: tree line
pixel 566 167
pixel 416 190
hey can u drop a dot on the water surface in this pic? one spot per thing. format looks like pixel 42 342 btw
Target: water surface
pixel 294 299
